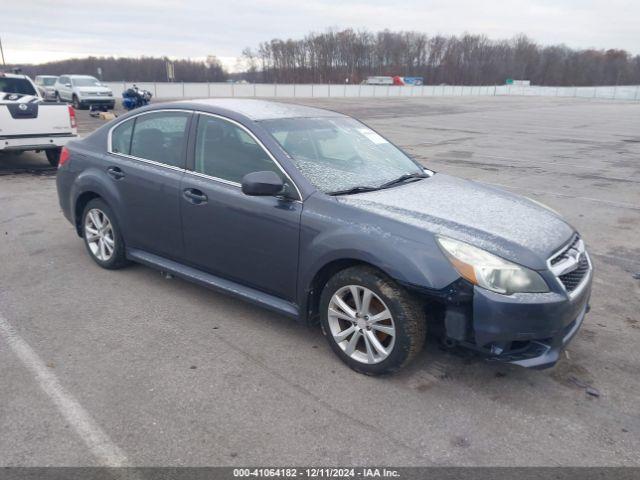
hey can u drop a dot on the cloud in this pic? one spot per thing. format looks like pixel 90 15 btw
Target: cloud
pixel 39 30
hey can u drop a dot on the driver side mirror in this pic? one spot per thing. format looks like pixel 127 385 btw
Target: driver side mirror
pixel 262 184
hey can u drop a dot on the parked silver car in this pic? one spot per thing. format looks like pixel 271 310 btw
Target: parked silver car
pixel 83 91
pixel 46 86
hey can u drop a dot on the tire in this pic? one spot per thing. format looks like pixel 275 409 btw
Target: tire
pixel 57 97
pixel 76 103
pixel 93 215
pixel 53 156
pixel 401 336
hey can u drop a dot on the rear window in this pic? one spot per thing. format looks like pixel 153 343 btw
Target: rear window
pixel 16 85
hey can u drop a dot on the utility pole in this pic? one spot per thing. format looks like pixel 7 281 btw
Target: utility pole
pixel 2 52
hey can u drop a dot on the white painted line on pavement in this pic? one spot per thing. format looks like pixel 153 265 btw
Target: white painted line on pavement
pixel 100 445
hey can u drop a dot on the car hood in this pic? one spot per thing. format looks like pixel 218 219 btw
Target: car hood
pixel 508 225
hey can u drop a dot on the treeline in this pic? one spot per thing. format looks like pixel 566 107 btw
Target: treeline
pixel 335 56
pixel 144 69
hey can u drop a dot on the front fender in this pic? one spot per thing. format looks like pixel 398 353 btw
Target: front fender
pixel 406 254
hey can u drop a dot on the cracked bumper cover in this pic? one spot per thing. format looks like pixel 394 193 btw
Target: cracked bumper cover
pixel 529 330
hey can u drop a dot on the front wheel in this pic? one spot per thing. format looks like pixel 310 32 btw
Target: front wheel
pixel 76 103
pixel 102 235
pixel 374 325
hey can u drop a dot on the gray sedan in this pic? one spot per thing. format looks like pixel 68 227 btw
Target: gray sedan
pixel 314 215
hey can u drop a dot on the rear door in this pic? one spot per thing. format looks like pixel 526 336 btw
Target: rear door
pixel 250 240
pixel 146 162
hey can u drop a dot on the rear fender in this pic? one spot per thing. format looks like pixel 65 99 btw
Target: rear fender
pixel 94 180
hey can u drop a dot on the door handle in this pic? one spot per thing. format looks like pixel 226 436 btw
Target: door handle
pixel 115 172
pixel 194 196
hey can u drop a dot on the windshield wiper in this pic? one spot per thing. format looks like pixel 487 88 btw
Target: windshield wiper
pixel 351 191
pixel 403 178
pixel 395 181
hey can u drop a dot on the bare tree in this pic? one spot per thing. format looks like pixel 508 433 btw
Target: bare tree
pixel 335 56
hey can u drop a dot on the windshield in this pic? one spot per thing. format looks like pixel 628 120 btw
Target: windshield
pixel 48 81
pixel 16 85
pixel 86 82
pixel 337 154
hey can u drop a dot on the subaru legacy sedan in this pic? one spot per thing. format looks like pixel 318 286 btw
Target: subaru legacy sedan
pixel 312 214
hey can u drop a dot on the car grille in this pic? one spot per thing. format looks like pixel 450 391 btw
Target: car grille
pixel 573 279
pixel 571 265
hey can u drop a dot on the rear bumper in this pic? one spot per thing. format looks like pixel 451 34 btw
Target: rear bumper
pixel 35 142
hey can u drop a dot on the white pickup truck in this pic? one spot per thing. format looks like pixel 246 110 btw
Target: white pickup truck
pixel 29 123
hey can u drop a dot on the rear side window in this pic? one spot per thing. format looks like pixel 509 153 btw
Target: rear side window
pixel 226 151
pixel 121 137
pixel 160 137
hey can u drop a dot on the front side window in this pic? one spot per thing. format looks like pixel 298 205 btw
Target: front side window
pixel 226 151
pixel 159 136
pixel 338 154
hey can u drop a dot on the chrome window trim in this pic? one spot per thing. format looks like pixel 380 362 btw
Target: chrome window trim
pixel 193 172
pixel 259 142
pixel 150 162
pixel 133 157
pixel 210 177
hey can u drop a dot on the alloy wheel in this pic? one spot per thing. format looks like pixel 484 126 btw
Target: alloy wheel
pixel 99 236
pixel 361 324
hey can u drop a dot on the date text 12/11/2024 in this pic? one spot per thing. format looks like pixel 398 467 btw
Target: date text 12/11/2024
pixel 316 472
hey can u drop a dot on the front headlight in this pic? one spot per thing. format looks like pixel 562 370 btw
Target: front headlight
pixel 490 271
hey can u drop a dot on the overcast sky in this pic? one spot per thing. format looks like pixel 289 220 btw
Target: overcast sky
pixel 41 30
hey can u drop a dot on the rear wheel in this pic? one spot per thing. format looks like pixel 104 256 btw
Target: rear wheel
pixel 374 325
pixel 53 156
pixel 76 103
pixel 102 235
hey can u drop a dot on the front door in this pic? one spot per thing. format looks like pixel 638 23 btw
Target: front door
pixel 249 240
pixel 146 163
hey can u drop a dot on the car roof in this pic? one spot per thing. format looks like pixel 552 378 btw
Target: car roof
pixel 78 76
pixel 258 109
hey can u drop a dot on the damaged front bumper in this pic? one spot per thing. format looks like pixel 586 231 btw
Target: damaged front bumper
pixel 526 329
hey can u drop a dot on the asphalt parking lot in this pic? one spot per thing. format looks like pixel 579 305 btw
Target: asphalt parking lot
pixel 163 372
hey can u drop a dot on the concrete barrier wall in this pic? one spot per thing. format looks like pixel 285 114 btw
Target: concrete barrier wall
pixel 165 90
